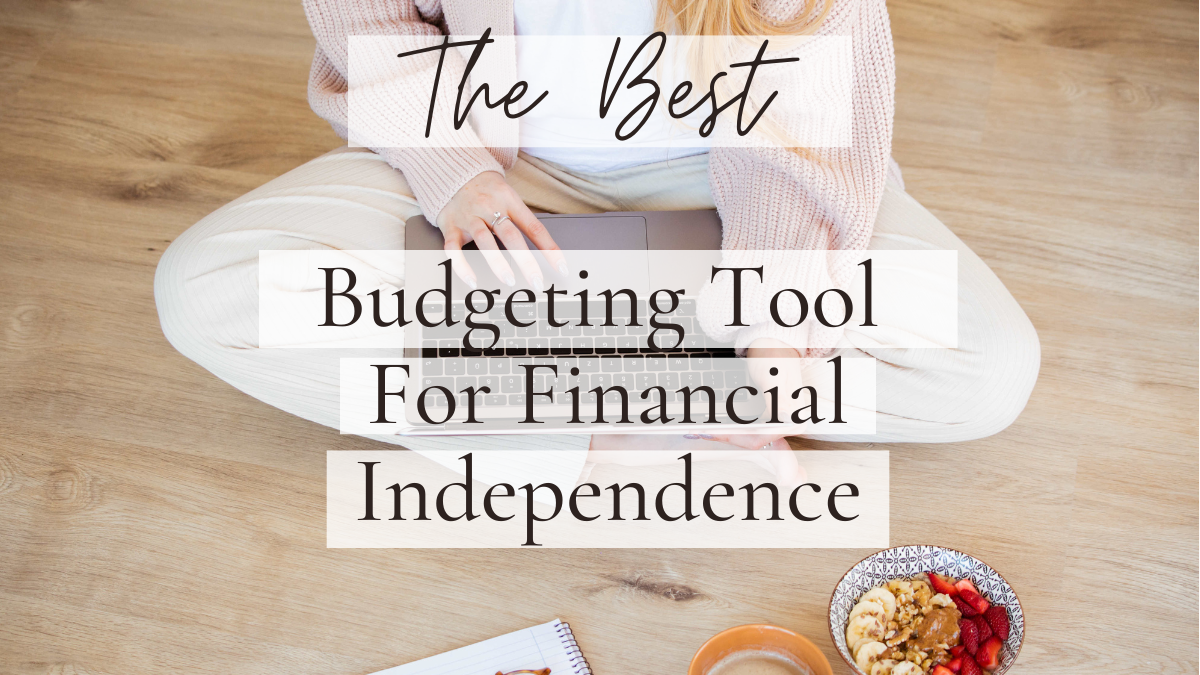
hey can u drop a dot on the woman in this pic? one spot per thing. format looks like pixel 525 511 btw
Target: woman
pixel 768 198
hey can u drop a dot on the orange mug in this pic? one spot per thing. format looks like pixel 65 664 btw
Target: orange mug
pixel 760 637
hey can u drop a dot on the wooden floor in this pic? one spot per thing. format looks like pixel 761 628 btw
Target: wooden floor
pixel 154 520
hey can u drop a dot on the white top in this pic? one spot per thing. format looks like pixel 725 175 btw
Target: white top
pixel 567 118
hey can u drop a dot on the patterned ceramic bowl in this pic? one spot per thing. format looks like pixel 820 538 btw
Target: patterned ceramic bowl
pixel 909 561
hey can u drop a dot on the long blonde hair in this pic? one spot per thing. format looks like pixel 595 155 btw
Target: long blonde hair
pixel 735 17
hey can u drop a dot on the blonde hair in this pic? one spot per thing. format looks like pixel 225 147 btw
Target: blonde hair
pixel 735 17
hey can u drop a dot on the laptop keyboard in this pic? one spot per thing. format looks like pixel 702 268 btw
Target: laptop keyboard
pixel 602 356
pixel 543 339
pixel 505 377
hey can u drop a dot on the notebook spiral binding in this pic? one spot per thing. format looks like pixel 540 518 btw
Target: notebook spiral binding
pixel 579 664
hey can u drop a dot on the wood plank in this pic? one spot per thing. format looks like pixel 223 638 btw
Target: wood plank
pixel 201 108
pixel 158 520
pixel 1120 112
pixel 20 49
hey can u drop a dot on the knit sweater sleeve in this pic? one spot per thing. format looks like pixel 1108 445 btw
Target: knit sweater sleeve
pixel 434 174
pixel 821 199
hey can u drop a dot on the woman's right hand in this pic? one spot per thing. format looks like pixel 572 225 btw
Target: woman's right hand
pixel 468 216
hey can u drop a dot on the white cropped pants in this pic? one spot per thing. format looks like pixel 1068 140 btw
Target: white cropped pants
pixel 206 289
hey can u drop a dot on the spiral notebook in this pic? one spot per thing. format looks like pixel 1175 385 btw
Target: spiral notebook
pixel 550 645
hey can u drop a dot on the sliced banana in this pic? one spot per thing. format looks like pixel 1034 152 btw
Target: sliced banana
pixel 900 586
pixel 858 645
pixel 864 626
pixel 884 597
pixel 907 668
pixel 922 591
pixel 883 667
pixel 868 654
pixel 871 608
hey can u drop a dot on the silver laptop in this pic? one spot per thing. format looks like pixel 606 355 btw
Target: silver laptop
pixel 604 356
pixel 624 231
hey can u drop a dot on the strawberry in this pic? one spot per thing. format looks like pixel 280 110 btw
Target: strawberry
pixel 974 599
pixel 989 654
pixel 942 584
pixel 985 630
pixel 966 583
pixel 970 634
pixel 963 607
pixel 969 667
pixel 941 670
pixel 957 650
pixel 954 665
pixel 997 617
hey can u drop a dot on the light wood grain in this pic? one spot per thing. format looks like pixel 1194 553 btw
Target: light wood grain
pixel 156 520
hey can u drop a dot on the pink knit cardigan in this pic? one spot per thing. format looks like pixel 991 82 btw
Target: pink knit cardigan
pixel 768 199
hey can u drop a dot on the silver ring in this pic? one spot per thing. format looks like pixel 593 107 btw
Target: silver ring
pixel 497 218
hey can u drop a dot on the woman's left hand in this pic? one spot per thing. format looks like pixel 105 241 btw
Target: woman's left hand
pixel 486 202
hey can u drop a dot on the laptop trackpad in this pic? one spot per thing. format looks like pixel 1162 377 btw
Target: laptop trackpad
pixel 596 233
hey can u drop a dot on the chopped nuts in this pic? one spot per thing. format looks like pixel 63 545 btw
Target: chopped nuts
pixel 916 603
pixel 940 600
pixel 901 637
